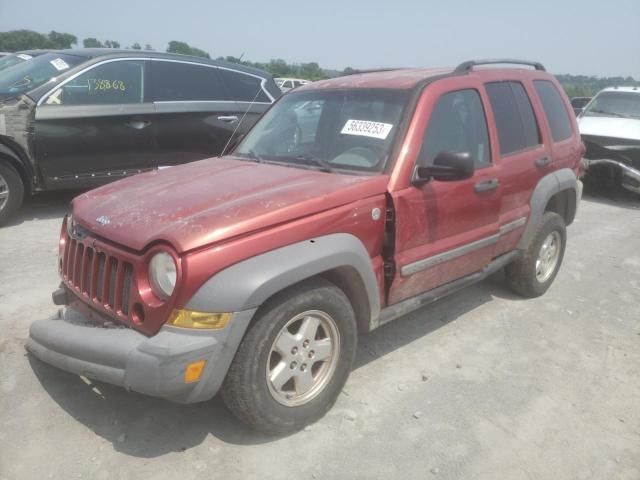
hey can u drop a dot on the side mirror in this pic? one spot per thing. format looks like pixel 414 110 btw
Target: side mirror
pixel 447 167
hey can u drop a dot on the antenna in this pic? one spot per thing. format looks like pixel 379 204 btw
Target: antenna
pixel 241 119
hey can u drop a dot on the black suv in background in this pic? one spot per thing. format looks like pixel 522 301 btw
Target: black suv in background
pixel 81 118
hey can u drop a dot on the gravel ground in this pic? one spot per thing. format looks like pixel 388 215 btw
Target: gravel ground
pixel 482 385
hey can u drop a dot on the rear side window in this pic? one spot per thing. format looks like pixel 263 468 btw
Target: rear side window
pixel 553 106
pixel 515 120
pixel 457 125
pixel 242 87
pixel 175 82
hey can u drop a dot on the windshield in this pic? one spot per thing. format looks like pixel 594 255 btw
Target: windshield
pixel 332 129
pixel 13 59
pixel 615 104
pixel 26 76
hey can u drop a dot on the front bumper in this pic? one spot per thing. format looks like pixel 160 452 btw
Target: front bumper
pixel 124 357
pixel 630 175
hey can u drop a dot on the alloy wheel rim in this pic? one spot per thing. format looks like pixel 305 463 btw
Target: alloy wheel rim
pixel 548 256
pixel 303 358
pixel 4 192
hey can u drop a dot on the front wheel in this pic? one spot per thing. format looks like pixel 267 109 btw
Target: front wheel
pixel 11 191
pixel 294 360
pixel 532 274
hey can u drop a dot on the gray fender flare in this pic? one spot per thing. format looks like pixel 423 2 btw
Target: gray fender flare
pixel 546 188
pixel 249 283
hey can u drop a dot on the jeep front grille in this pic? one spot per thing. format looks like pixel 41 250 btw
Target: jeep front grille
pixel 100 278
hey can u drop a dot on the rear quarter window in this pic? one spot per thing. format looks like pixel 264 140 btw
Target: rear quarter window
pixel 554 110
pixel 242 87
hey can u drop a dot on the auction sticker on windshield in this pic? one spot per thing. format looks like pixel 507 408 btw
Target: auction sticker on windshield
pixel 60 64
pixel 366 128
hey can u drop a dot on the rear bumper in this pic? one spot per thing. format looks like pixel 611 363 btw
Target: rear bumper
pixel 124 357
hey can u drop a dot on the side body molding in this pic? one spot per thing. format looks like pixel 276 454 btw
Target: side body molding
pixel 250 283
pixel 546 188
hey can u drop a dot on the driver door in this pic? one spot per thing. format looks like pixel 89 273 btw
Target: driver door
pixel 446 230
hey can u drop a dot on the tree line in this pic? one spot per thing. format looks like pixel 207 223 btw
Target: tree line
pixel 16 40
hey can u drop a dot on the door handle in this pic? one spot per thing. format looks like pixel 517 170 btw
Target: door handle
pixel 543 162
pixel 486 185
pixel 138 124
pixel 228 119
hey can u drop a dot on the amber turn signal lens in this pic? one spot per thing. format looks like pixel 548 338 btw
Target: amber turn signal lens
pixel 201 320
pixel 193 372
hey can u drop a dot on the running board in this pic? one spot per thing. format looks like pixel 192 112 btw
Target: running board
pixel 400 309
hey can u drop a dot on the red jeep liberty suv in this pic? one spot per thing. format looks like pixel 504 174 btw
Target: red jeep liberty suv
pixel 351 202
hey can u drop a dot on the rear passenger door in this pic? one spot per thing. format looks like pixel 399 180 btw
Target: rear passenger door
pixel 523 156
pixel 198 107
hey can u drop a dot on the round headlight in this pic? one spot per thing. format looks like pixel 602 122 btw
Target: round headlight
pixel 162 274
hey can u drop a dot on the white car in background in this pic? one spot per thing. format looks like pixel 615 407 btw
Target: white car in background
pixel 610 129
pixel 286 84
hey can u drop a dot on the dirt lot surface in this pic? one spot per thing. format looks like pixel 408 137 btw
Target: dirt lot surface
pixel 483 385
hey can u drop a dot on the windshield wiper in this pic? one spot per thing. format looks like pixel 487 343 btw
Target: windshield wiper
pixel 323 164
pixel 253 156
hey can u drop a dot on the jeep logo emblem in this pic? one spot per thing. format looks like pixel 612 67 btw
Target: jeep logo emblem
pixel 103 220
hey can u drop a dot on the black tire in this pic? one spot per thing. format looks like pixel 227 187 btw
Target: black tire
pixel 521 273
pixel 11 183
pixel 246 391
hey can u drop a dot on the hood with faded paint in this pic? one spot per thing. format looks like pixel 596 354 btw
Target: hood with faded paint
pixel 612 127
pixel 211 200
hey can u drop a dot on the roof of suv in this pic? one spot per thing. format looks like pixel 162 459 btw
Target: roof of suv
pixel 114 52
pixel 621 89
pixel 407 78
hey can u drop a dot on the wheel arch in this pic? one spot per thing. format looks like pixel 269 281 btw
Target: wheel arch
pixel 557 192
pixel 339 258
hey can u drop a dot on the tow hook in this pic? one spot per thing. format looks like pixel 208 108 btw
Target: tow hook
pixel 60 296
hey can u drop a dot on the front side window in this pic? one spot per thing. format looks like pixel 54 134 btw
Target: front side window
pixel 179 82
pixel 112 83
pixel 615 104
pixel 333 129
pixel 457 125
pixel 554 110
pixel 28 75
pixel 514 117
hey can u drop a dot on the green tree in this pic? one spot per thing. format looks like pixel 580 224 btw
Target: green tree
pixel 111 44
pixel 136 46
pixel 92 43
pixel 22 40
pixel 184 49
pixel 61 40
pixel 148 47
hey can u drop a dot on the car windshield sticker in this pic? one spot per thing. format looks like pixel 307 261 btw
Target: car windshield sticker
pixel 60 64
pixel 24 56
pixel 366 128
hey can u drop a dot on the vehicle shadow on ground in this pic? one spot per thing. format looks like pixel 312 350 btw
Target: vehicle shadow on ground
pixel 44 206
pixel 148 427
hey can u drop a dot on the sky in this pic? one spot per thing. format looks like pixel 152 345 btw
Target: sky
pixel 589 37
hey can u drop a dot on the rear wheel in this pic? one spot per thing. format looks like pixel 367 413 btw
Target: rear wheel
pixel 533 273
pixel 294 360
pixel 11 191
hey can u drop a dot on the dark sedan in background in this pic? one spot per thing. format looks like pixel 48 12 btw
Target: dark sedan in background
pixel 81 118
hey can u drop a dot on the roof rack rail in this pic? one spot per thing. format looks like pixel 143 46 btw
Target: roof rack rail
pixel 355 71
pixel 468 66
